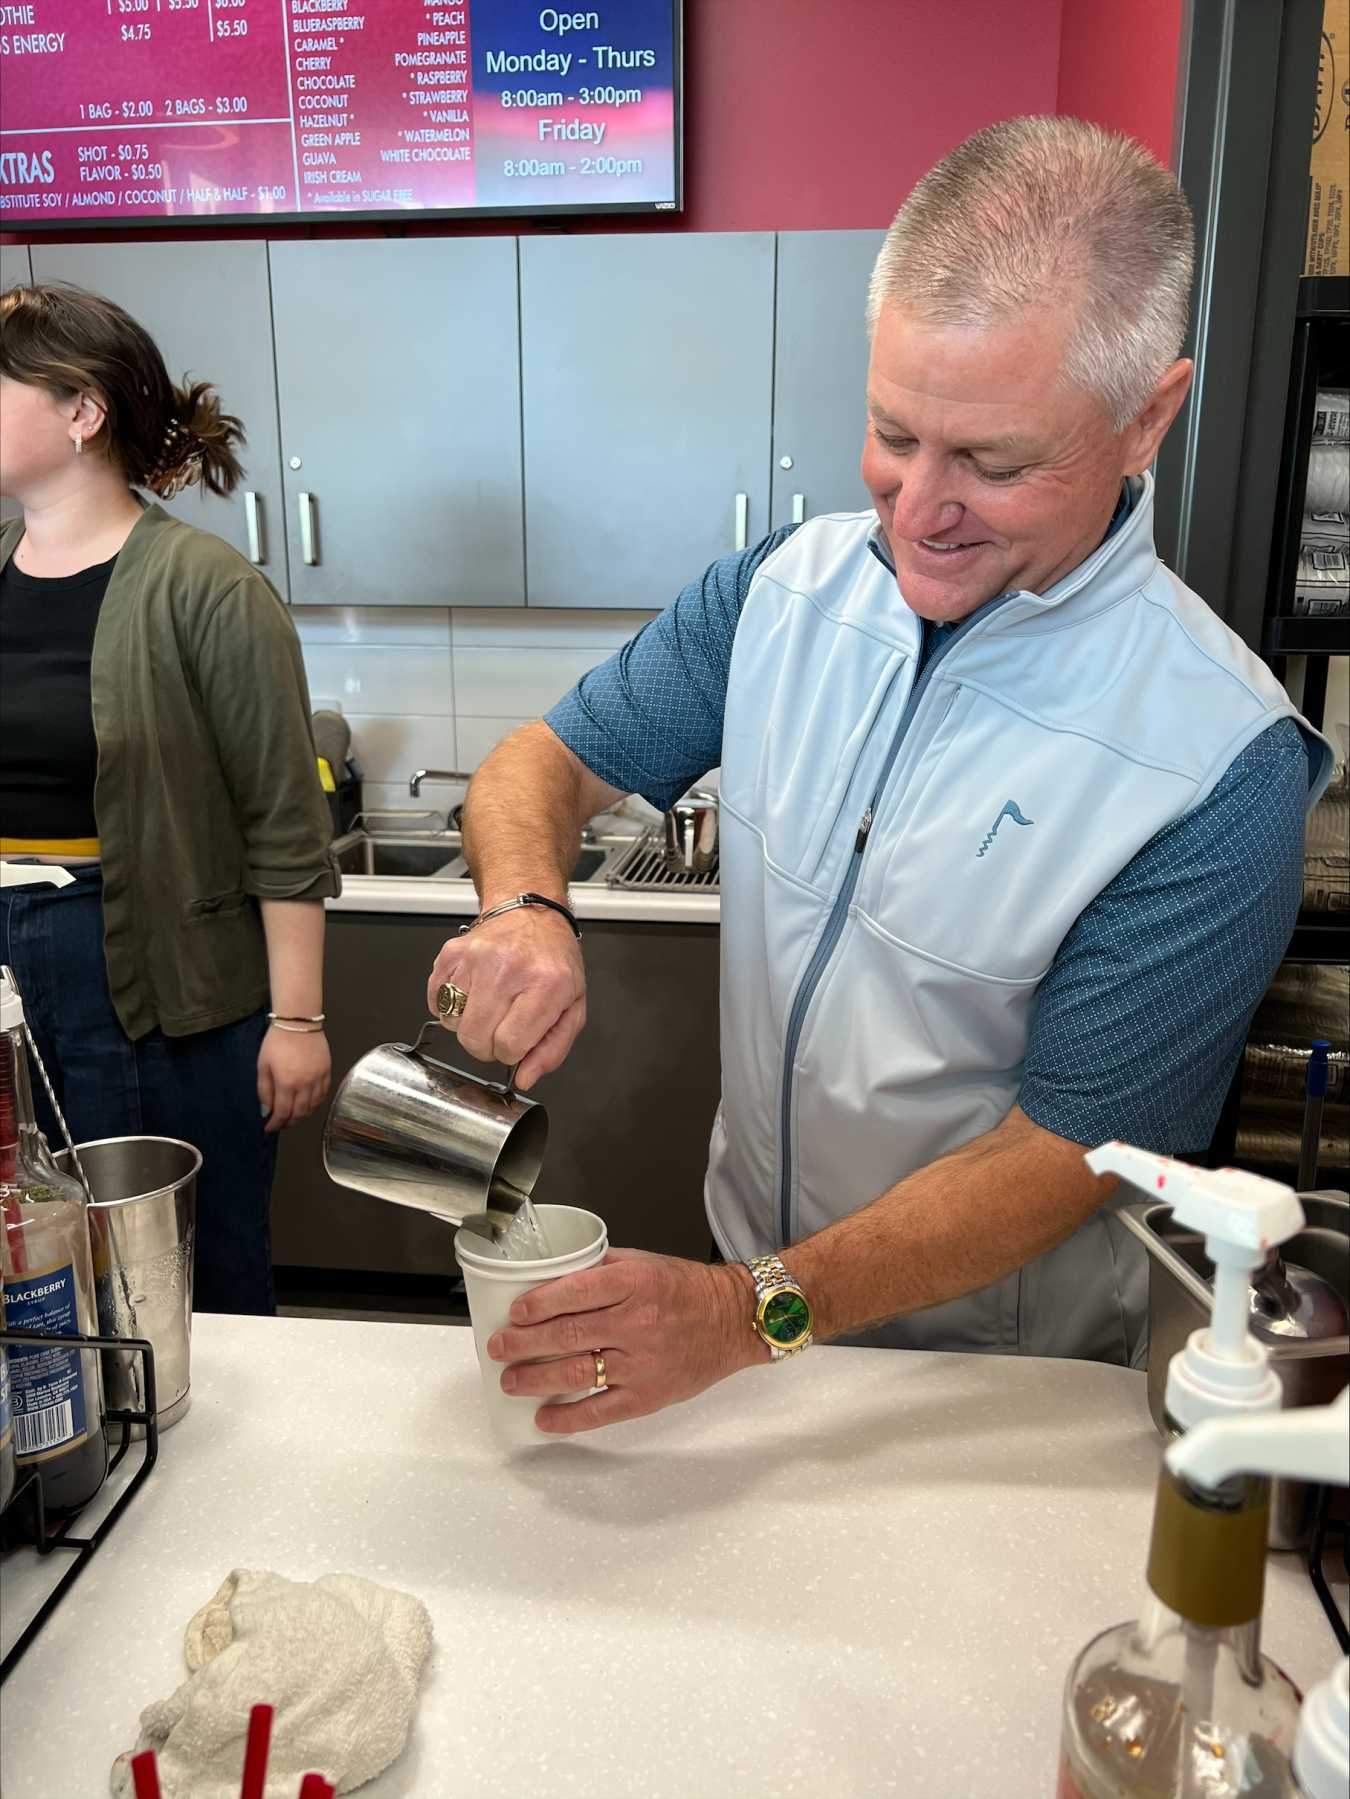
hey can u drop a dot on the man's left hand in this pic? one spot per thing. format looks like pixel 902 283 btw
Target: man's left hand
pixel 666 1328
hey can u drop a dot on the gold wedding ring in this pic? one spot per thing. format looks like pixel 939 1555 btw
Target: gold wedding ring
pixel 450 1002
pixel 601 1380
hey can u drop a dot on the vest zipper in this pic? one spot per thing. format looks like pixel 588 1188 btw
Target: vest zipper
pixel 839 912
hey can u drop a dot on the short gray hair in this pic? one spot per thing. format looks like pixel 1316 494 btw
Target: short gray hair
pixel 1035 211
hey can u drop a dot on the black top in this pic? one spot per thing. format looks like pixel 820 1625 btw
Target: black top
pixel 48 754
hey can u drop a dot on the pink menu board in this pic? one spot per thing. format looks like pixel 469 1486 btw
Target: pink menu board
pixel 159 110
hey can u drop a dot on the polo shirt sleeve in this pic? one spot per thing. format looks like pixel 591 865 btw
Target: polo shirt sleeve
pixel 1141 1020
pixel 649 720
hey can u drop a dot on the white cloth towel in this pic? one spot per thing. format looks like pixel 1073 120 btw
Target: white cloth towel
pixel 338 1659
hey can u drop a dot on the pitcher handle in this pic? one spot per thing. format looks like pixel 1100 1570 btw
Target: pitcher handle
pixel 506 1088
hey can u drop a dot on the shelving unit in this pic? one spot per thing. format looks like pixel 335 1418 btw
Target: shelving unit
pixel 1319 362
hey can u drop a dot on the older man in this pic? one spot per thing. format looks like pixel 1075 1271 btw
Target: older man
pixel 1011 824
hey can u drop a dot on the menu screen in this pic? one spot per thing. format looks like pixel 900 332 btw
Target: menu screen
pixel 164 110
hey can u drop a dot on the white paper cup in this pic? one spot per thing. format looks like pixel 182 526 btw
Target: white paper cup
pixel 490 1284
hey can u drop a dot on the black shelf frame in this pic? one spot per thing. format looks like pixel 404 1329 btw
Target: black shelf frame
pixel 27 1494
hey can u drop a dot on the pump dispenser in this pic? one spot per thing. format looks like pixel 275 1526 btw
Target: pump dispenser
pixel 1181 1702
pixel 1311 1443
pixel 1222 1369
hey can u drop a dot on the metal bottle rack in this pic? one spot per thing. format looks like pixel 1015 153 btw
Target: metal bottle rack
pixel 27 1495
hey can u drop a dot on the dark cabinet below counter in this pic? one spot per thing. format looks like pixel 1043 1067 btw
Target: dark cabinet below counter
pixel 629 1111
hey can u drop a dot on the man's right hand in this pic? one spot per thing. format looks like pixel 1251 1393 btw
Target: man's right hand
pixel 526 984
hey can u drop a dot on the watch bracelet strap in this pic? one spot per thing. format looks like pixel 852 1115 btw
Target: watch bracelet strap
pixel 523 899
pixel 768 1271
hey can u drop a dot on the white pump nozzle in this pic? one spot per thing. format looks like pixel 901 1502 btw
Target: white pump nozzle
pixel 11 1005
pixel 1243 1216
pixel 1308 1443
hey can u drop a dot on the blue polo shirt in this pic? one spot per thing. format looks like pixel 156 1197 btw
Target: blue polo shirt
pixel 1142 1016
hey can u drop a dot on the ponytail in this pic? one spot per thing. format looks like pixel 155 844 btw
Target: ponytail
pixel 163 438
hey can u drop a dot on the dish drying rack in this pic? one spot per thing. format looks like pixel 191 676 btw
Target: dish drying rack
pixel 642 869
pixel 27 1494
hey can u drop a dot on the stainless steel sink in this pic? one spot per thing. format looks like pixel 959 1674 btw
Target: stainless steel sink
pixel 420 854
pixel 436 856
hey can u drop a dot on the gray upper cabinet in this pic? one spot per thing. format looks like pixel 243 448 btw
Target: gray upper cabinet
pixel 820 372
pixel 207 307
pixel 647 366
pixel 398 373
pixel 15 268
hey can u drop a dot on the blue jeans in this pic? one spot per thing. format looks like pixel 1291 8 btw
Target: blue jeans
pixel 201 1089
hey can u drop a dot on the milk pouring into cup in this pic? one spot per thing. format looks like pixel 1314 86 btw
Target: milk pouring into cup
pixel 406 1127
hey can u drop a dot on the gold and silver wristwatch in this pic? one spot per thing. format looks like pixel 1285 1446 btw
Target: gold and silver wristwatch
pixel 782 1311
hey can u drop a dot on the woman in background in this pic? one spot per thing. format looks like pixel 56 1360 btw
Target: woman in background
pixel 165 841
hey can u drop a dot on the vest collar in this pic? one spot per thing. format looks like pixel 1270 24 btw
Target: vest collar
pixel 1120 565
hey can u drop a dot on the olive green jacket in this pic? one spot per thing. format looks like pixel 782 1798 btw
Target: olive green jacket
pixel 207 798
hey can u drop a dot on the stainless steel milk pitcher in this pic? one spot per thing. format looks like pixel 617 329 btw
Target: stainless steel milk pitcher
pixel 142 1225
pixel 409 1128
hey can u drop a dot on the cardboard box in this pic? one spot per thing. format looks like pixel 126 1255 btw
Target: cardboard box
pixel 1328 252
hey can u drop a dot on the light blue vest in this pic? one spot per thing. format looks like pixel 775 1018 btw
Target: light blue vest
pixel 876 1001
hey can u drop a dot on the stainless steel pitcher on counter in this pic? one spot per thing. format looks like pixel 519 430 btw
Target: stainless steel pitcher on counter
pixel 142 1222
pixel 407 1127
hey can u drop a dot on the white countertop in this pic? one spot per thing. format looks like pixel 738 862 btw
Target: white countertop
pixel 861 1572
pixel 423 898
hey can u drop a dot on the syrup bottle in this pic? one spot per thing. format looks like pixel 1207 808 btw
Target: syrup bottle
pixel 55 1394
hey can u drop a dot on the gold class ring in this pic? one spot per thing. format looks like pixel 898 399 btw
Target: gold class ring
pixel 601 1379
pixel 450 1002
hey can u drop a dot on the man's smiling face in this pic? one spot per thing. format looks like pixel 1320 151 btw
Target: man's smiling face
pixel 988 472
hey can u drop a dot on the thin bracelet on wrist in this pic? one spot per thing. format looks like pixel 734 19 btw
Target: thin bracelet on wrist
pixel 299 1024
pixel 523 899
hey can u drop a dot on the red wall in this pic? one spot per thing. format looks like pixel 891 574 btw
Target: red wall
pixel 1118 66
pixel 822 114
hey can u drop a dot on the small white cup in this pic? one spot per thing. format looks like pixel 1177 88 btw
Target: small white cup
pixel 490 1284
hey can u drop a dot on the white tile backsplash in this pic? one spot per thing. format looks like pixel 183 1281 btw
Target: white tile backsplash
pixel 478 628
pixel 385 678
pixel 522 683
pixel 432 687
pixel 391 748
pixel 479 735
pixel 372 624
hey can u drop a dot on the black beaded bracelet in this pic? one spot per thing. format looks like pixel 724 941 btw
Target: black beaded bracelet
pixel 523 899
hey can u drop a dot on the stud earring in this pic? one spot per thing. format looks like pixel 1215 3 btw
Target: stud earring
pixel 79 443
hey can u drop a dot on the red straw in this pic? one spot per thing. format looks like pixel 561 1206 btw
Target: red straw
pixel 145 1775
pixel 255 1755
pixel 314 1786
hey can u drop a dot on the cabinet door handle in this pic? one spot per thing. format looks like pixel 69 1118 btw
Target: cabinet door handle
pixel 253 518
pixel 309 542
pixel 742 520
pixel 799 508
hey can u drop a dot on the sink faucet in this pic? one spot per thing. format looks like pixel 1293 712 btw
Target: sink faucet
pixel 434 774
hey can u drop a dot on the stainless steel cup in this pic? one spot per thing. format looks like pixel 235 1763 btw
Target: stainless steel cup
pixel 1312 1371
pixel 142 1225
pixel 691 834
pixel 406 1127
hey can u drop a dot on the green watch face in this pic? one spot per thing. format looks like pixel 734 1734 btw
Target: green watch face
pixel 785 1318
